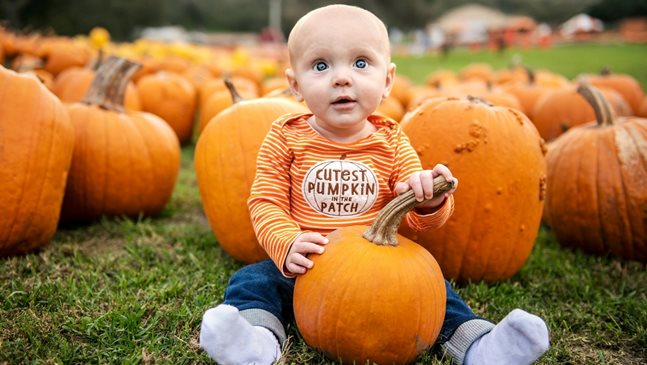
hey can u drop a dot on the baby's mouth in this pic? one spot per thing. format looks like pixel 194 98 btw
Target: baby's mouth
pixel 343 101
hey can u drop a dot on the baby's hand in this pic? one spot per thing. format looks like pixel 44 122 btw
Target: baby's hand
pixel 305 243
pixel 422 184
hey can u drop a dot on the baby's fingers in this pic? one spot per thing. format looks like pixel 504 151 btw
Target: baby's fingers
pixel 298 264
pixel 313 237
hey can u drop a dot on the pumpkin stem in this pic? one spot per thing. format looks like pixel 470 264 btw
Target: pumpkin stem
pixel 235 96
pixel 531 75
pixel 476 99
pixel 384 229
pixel 593 96
pixel 29 64
pixel 605 71
pixel 96 63
pixel 109 85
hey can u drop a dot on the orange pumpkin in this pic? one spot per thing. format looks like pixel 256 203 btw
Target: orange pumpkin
pixel 219 101
pixel 401 87
pixel 171 97
pixel 212 86
pixel 197 75
pixel 60 54
pixel 373 295
pixel 560 109
pixel 597 192
pixel 642 112
pixel 125 162
pixel 36 143
pixel 225 165
pixel 442 79
pixel 625 84
pixel 73 83
pixel 498 156
pixel 391 107
pixel 527 91
pixel 274 83
pixel 477 71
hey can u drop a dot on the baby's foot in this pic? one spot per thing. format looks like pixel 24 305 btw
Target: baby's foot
pixel 230 340
pixel 519 339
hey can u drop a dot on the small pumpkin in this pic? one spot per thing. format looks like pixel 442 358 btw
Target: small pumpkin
pixel 243 85
pixel 221 100
pixel 62 53
pixel 125 162
pixel 36 144
pixel 373 295
pixel 477 71
pixel 642 111
pixel 626 85
pixel 73 83
pixel 559 109
pixel 400 90
pixel 225 164
pixel 171 97
pixel 596 197
pixel 391 107
pixel 527 91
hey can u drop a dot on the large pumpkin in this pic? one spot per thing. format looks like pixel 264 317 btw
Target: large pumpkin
pixel 373 295
pixel 225 165
pixel 498 157
pixel 597 184
pixel 125 162
pixel 36 143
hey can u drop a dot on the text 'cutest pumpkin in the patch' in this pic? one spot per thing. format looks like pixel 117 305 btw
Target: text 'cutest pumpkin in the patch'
pixel 340 188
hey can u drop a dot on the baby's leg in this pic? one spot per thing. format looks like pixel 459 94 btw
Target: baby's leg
pixel 249 326
pixel 461 327
pixel 519 339
pixel 230 340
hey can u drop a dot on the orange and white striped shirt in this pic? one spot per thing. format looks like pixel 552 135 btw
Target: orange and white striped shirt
pixel 305 182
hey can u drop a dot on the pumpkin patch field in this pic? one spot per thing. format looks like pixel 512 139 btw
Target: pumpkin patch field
pixel 108 253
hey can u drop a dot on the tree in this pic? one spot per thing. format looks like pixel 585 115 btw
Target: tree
pixel 613 10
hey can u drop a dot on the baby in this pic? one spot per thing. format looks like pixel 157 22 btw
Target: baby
pixel 341 152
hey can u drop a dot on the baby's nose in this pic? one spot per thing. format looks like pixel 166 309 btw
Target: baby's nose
pixel 342 78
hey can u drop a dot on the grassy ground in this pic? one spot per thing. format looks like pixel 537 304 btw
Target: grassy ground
pixel 568 60
pixel 133 291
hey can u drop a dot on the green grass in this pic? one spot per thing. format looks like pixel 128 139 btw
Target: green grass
pixel 133 291
pixel 570 60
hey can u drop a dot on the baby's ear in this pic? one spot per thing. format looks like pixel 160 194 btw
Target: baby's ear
pixel 390 79
pixel 294 85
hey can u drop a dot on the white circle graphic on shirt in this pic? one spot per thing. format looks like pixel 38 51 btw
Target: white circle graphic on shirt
pixel 340 188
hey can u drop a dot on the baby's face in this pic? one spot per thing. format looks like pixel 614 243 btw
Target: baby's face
pixel 341 67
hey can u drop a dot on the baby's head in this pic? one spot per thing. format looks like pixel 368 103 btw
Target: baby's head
pixel 340 47
pixel 338 20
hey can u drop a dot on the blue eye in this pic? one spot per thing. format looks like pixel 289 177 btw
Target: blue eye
pixel 320 66
pixel 361 63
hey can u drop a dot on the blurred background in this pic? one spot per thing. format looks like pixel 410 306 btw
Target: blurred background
pixel 428 22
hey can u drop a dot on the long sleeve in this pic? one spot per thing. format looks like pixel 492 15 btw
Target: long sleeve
pixel 269 201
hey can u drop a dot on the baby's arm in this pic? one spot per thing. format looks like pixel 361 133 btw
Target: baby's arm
pixel 308 242
pixel 422 184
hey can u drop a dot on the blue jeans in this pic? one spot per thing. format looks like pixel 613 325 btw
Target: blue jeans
pixel 261 286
